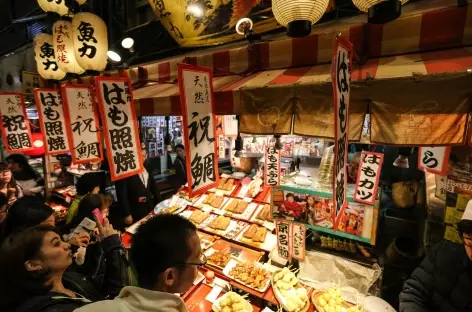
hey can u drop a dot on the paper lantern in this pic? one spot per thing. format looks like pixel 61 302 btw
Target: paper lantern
pixel 45 58
pixel 364 5
pixel 90 41
pixel 298 15
pixel 64 47
pixel 57 6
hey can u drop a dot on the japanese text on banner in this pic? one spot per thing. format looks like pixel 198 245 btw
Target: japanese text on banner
pixel 221 146
pixel 53 125
pixel 196 97
pixel 272 167
pixel 120 126
pixel 82 123
pixel 16 131
pixel 368 176
pixel 283 238
pixel 434 159
pixel 298 241
pixel 341 79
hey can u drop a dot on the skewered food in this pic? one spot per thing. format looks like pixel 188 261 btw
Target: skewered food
pixel 199 216
pixel 232 302
pixel 331 300
pixel 251 275
pixel 256 233
pixel 292 296
pixel 220 258
pixel 217 201
pixel 264 214
pixel 209 199
pixel 220 223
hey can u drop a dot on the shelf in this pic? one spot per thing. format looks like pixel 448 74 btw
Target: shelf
pixel 310 191
pixel 338 233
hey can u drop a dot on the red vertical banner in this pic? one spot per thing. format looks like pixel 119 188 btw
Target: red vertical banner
pixel 341 78
pixel 16 130
pixel 120 126
pixel 298 241
pixel 284 235
pixel 434 159
pixel 272 167
pixel 196 98
pixel 82 123
pixel 368 176
pixel 52 119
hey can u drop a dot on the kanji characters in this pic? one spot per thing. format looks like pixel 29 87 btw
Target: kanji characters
pixel 86 36
pixel 117 117
pixel 84 151
pixel 114 95
pixel 124 161
pixel 56 143
pixel 14 123
pixel 203 125
pixel 84 125
pixel 53 128
pixel 121 138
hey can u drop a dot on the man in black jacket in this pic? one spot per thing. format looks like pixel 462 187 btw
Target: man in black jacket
pixel 137 196
pixel 443 281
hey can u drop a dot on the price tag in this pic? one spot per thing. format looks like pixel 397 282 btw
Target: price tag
pixel 214 293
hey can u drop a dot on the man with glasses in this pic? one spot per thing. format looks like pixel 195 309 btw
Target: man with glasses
pixel 443 281
pixel 165 254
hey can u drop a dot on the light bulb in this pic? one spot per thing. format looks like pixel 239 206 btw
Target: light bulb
pixel 196 10
pixel 115 57
pixel 127 43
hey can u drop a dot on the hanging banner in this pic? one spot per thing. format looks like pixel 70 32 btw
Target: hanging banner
pixel 120 126
pixel 196 98
pixel 284 235
pixel 16 130
pixel 434 159
pixel 221 146
pixel 368 177
pixel 341 79
pixel 298 241
pixel 230 125
pixel 82 124
pixel 272 167
pixel 52 120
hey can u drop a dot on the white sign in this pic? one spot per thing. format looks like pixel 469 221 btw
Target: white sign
pixel 230 125
pixel 341 79
pixel 298 241
pixel 82 123
pixel 434 159
pixel 52 120
pixel 283 238
pixel 196 98
pixel 64 47
pixel 16 131
pixel 368 176
pixel 120 126
pixel 272 167
pixel 221 146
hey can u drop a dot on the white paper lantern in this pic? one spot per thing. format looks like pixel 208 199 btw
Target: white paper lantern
pixel 57 6
pixel 45 59
pixel 90 41
pixel 64 47
pixel 364 5
pixel 298 15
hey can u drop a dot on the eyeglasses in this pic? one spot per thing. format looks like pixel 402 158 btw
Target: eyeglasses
pixel 203 261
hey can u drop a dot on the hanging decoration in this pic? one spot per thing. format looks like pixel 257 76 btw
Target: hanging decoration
pixel 434 159
pixel 368 176
pixel 64 47
pixel 365 5
pixel 15 129
pixel 298 15
pixel 90 39
pixel 46 63
pixel 57 6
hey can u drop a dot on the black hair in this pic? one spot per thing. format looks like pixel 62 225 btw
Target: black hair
pixel 179 145
pixel 465 227
pixel 88 204
pixel 17 284
pixel 26 212
pixel 28 171
pixel 160 243
pixel 290 194
pixel 87 183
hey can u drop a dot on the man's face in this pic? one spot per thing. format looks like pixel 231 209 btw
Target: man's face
pixel 468 244
pixel 180 152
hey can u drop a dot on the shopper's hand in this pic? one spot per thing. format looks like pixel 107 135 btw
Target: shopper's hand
pixel 27 192
pixel 12 199
pixel 81 239
pixel 129 220
pixel 106 230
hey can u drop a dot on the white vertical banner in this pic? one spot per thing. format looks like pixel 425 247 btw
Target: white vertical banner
pixel 53 121
pixel 221 146
pixel 284 237
pixel 367 183
pixel 15 129
pixel 341 79
pixel 82 123
pixel 230 125
pixel 298 241
pixel 272 167
pixel 196 98
pixel 434 159
pixel 120 126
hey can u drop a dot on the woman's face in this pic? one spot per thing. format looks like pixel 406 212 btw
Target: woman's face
pixel 56 255
pixel 310 201
pixel 15 167
pixel 51 220
pixel 5 175
pixel 290 199
pixel 96 190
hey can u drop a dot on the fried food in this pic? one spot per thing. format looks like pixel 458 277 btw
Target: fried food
pixel 250 232
pixel 265 213
pixel 220 223
pixel 232 205
pixel 251 275
pixel 209 199
pixel 222 182
pixel 228 186
pixel 199 216
pixel 217 201
pixel 242 205
pixel 219 258
pixel 256 233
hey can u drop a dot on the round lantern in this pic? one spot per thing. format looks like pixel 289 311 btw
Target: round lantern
pixel 298 15
pixel 57 6
pixel 38 143
pixel 64 47
pixel 365 5
pixel 45 58
pixel 90 37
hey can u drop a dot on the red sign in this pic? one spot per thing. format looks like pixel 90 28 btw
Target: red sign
pixel 368 176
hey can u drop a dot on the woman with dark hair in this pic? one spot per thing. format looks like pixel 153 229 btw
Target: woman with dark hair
pixel 28 211
pixel 8 184
pixel 34 273
pixel 89 183
pixel 31 182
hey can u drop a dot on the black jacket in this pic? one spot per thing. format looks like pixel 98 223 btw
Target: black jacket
pixel 88 288
pixel 442 282
pixel 180 172
pixel 130 192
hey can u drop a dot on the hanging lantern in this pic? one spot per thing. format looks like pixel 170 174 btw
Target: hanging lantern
pixel 64 47
pixel 90 41
pixel 365 5
pixel 57 6
pixel 45 59
pixel 298 15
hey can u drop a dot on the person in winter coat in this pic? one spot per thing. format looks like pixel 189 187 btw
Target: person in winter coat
pixel 30 181
pixel 165 254
pixel 180 166
pixel 35 277
pixel 443 281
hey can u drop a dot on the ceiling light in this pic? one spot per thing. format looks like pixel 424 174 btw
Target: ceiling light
pixel 127 43
pixel 195 10
pixel 244 25
pixel 115 57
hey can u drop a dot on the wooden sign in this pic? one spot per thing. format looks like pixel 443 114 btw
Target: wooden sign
pixel 15 129
pixel 283 229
